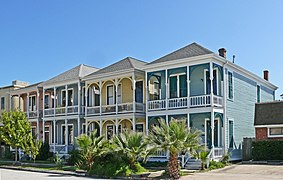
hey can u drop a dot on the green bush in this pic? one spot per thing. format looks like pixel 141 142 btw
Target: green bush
pixel 9 155
pixel 155 164
pixel 216 165
pixel 44 152
pixel 74 157
pixel 267 150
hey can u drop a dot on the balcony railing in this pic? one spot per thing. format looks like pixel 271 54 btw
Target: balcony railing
pixel 94 110
pixel 61 111
pixel 125 107
pixel 157 104
pixel 32 114
pixel 217 100
pixel 218 152
pixel 49 112
pixel 72 110
pixel 140 107
pixel 178 102
pixel 109 109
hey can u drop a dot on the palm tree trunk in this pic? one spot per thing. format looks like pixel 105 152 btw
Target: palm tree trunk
pixel 173 166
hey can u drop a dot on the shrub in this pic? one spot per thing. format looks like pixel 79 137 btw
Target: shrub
pixel 216 165
pixel 267 150
pixel 58 161
pixel 74 157
pixel 44 152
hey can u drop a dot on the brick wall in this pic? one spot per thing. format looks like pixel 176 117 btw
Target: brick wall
pixel 261 134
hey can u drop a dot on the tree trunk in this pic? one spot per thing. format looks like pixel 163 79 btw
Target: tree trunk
pixel 173 166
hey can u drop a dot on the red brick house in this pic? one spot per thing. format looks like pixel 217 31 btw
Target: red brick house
pixel 268 120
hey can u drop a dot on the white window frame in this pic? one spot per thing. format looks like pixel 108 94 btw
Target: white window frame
pixel 64 90
pixel 114 94
pixel 72 140
pixel 30 103
pixel 49 131
pixel 178 83
pixel 217 78
pixel 205 130
pixel 143 126
pixel 230 119
pixel 273 136
pixel 48 100
pixel 233 85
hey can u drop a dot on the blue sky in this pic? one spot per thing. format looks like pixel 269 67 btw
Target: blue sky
pixel 40 39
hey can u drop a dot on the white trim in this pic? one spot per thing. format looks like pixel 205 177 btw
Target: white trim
pixel 68 96
pixel 218 133
pixel 217 82
pixel 72 140
pixel 113 96
pixel 233 85
pixel 228 130
pixel 272 136
pixel 268 126
pixel 50 133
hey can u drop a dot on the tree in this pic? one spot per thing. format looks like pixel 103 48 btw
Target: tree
pixel 16 131
pixel 202 155
pixel 133 145
pixel 174 138
pixel 90 147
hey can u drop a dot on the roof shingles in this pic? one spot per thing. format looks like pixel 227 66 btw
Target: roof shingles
pixel 270 113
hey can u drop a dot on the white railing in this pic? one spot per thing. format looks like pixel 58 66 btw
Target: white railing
pixel 82 110
pixel 217 100
pixel 94 110
pixel 49 112
pixel 125 107
pixel 209 158
pixel 60 110
pixel 157 104
pixel 32 114
pixel 178 102
pixel 60 148
pixel 197 101
pixel 72 110
pixel 109 109
pixel 140 107
pixel 159 154
pixel 218 152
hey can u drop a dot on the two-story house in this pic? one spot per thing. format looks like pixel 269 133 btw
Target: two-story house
pixel 115 98
pixel 211 93
pixel 63 108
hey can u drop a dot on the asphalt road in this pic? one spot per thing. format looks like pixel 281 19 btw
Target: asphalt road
pixel 6 174
pixel 242 172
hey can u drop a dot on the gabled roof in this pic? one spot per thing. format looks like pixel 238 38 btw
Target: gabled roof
pixel 269 113
pixel 77 72
pixel 190 50
pixel 126 63
pixel 32 87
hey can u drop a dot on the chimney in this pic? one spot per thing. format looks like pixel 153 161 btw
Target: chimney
pixel 265 75
pixel 222 52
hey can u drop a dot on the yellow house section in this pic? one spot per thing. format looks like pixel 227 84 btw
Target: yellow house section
pixel 4 92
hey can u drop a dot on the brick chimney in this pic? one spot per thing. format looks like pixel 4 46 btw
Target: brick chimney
pixel 266 75
pixel 222 52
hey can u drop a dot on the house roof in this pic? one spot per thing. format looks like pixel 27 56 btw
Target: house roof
pixel 32 87
pixel 126 63
pixel 269 113
pixel 77 72
pixel 190 50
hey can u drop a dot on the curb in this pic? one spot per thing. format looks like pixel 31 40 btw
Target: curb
pixel 44 171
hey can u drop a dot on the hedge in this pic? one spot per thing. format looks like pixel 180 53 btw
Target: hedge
pixel 267 150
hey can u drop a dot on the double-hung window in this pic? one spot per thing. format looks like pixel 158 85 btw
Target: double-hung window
pixel 230 86
pixel 178 85
pixel 111 94
pixel 2 102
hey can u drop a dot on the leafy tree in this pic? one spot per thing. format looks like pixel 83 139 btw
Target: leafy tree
pixel 90 147
pixel 133 145
pixel 16 131
pixel 174 138
pixel 34 147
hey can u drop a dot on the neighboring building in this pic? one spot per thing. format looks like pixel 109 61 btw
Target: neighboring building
pixel 268 120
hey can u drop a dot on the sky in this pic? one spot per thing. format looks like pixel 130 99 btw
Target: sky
pixel 41 39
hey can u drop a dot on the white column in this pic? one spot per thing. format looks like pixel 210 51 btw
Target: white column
pixel 212 132
pixel 188 86
pixel 146 104
pixel 86 126
pixel 79 98
pixel 55 95
pixel 66 135
pixel 67 99
pixel 117 126
pixel 211 82
pixel 38 113
pixel 166 89
pixel 86 99
pixel 224 135
pixel 19 102
pixel 79 126
pixel 100 127
pixel 54 135
pixel 10 101
pixel 116 94
pixel 134 101
pixel 27 105
pixel 167 120
pixel 43 130
pixel 100 97
pixel 188 121
pixel 43 103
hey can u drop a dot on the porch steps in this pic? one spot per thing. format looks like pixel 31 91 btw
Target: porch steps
pixel 193 164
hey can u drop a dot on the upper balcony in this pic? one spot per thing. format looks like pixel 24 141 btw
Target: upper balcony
pixel 122 95
pixel 185 87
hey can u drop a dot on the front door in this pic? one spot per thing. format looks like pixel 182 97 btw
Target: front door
pixel 208 134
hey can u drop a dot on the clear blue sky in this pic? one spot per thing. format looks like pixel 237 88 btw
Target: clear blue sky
pixel 40 39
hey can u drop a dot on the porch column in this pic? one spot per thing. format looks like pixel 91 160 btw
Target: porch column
pixel 43 130
pixel 55 94
pixel 43 103
pixel 100 97
pixel 67 99
pixel 146 104
pixel 86 99
pixel 188 121
pixel 134 101
pixel 167 121
pixel 79 98
pixel 54 136
pixel 66 135
pixel 86 126
pixel 38 112
pixel 225 139
pixel 117 126
pixel 27 105
pixel 100 127
pixel 116 94
pixel 10 102
pixel 211 82
pixel 188 87
pixel 212 132
pixel 19 101
pixel 166 90
pixel 79 126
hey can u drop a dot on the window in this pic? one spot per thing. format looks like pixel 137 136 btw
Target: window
pixel 230 86
pixel 2 102
pixel 70 97
pixel 139 127
pixel 32 105
pixel 46 101
pixel 178 85
pixel 214 81
pixel 231 133
pixel 258 93
pixel 111 95
pixel 33 131
pixel 139 91
pixel 70 134
pixel 276 131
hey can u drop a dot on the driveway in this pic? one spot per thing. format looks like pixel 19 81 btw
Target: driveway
pixel 242 172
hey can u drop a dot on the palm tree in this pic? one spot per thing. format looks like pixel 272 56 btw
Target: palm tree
pixel 133 145
pixel 174 138
pixel 202 156
pixel 90 147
